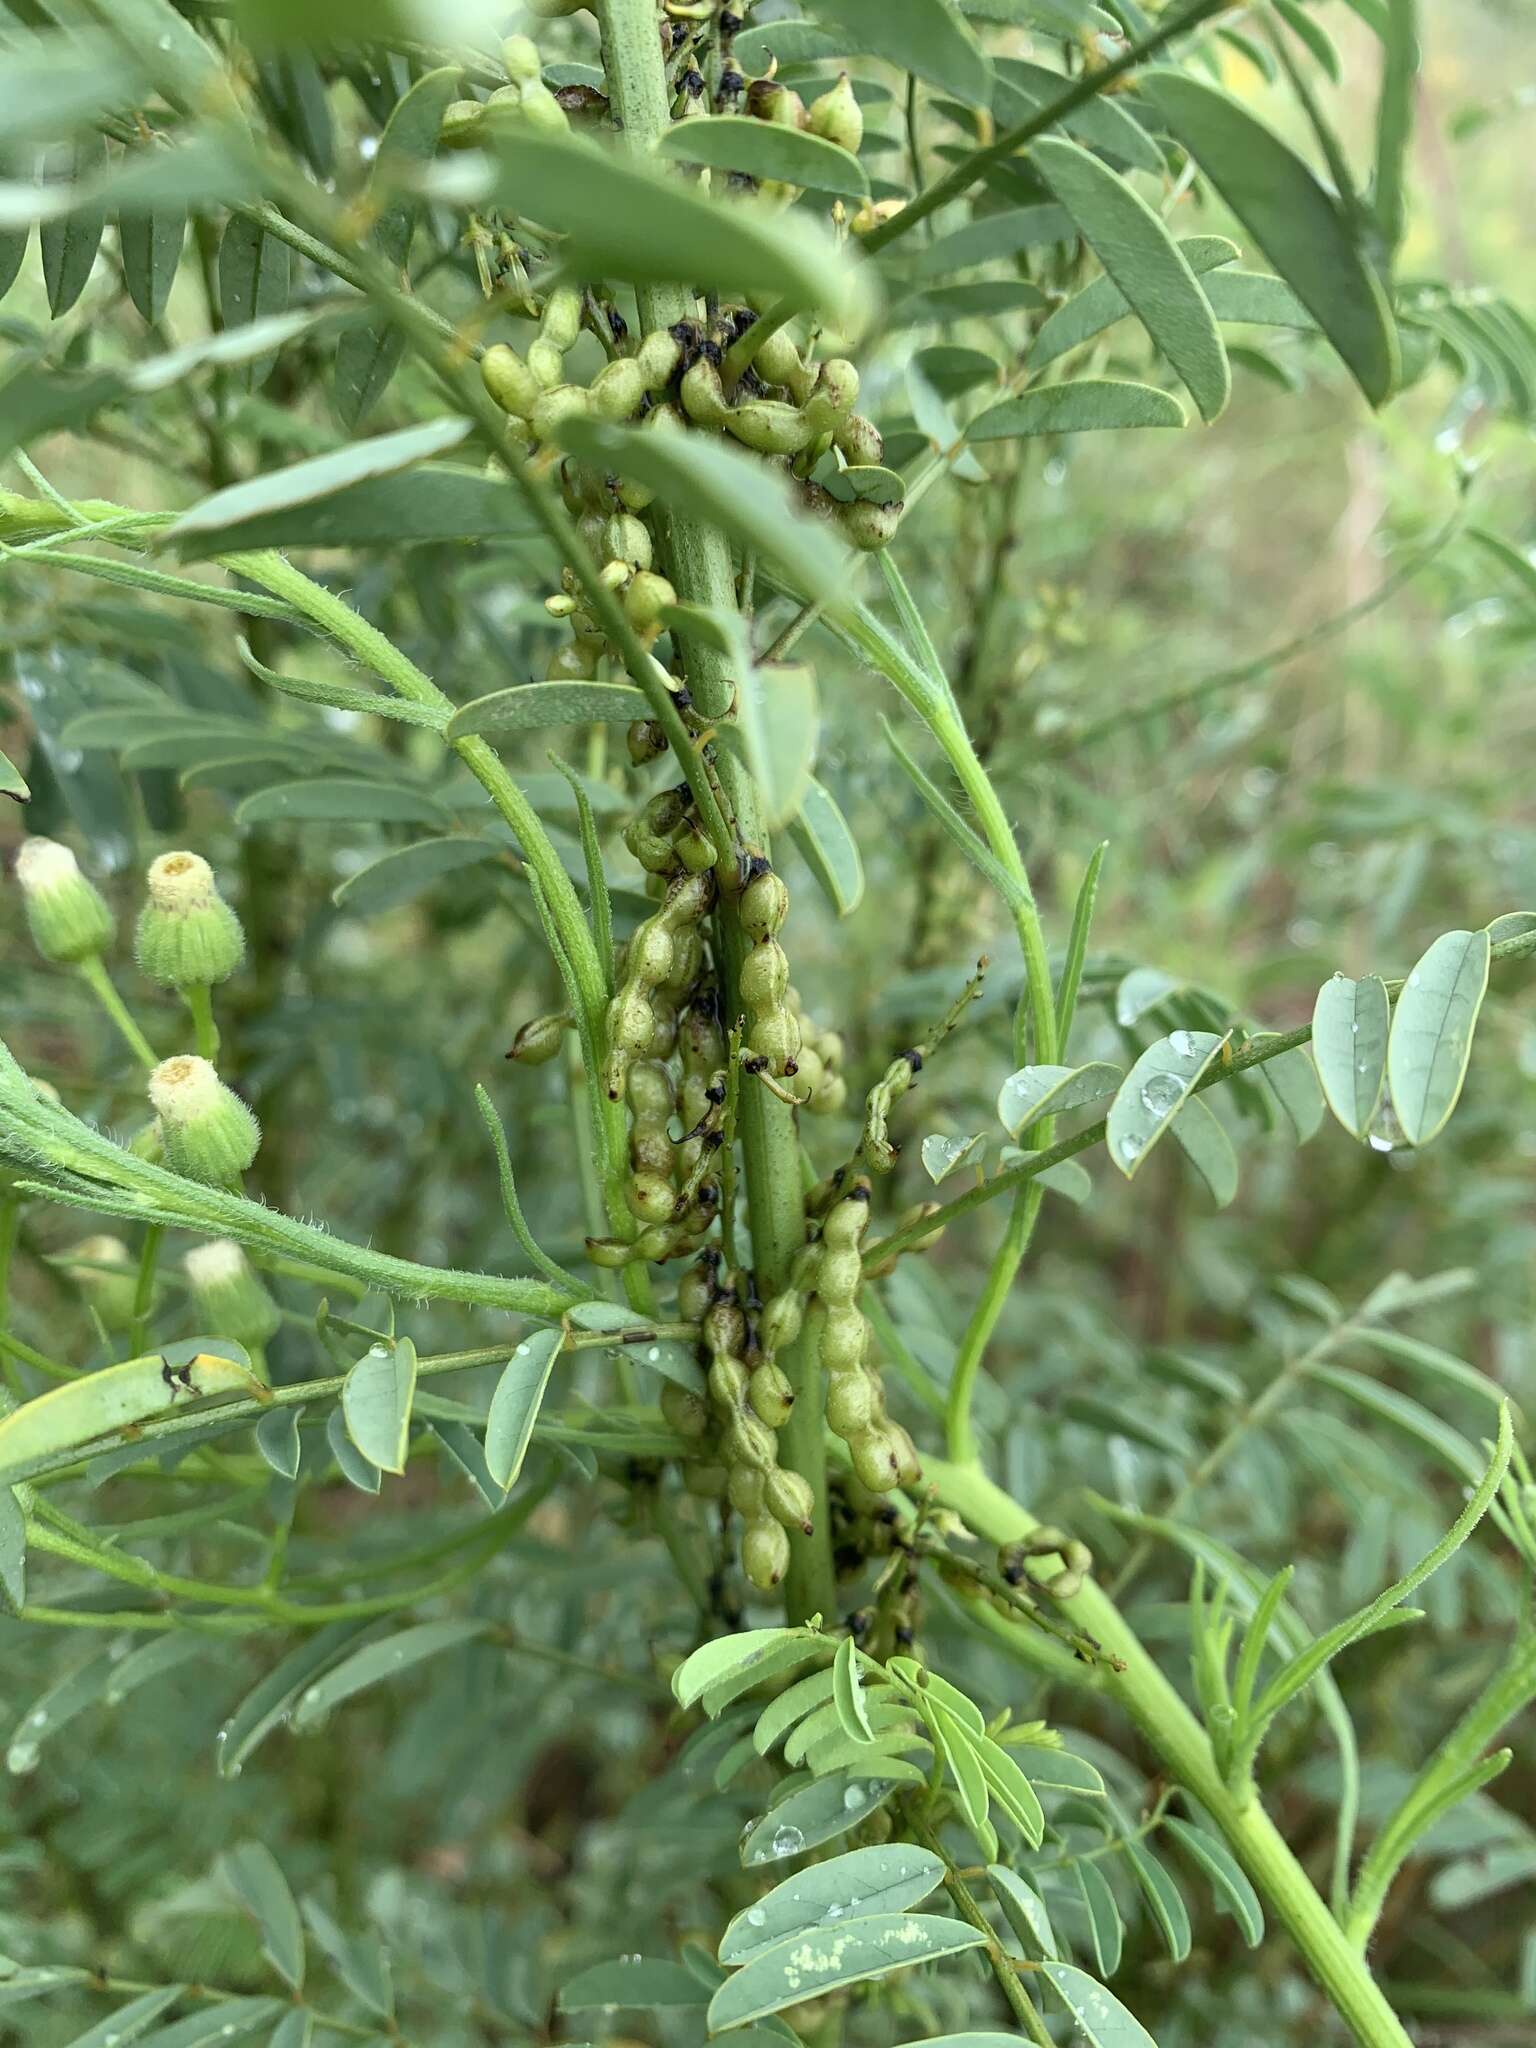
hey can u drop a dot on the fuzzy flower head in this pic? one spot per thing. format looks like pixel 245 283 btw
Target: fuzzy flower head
pixel 66 913
pixel 188 937
pixel 207 1131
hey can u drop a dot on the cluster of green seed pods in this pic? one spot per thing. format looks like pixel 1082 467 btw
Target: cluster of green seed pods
pixel 882 1453
pixel 735 1430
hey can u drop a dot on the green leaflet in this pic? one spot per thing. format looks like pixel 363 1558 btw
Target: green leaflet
pixel 376 1401
pixel 1234 1894
pixel 1350 1022
pixel 928 37
pixel 1085 406
pixel 336 799
pixel 1101 303
pixel 529 705
pixel 219 524
pixel 883 1879
pixel 632 1982
pixel 515 1405
pixel 397 876
pixel 1154 1091
pixel 1431 1037
pixel 1101 2019
pixel 766 150
pixel 1034 1092
pixel 825 1959
pixel 1208 1149
pixel 827 846
pixel 118 1396
pixel 1292 218
pixel 1145 262
pixel 70 241
pixel 256 1877
pixel 390 1657
pixel 150 245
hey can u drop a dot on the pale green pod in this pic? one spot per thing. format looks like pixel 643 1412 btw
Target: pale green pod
pixel 769 426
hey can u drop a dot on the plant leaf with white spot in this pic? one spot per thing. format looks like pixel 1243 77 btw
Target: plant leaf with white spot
pixel 1034 1092
pixel 1101 2019
pixel 828 1958
pixel 884 1879
pixel 944 1156
pixel 1154 1092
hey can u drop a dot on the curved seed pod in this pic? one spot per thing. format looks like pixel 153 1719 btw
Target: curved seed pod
pixel 781 1320
pixel 764 903
pixel 837 116
pixel 651 1197
pixel 509 380
pixel 778 360
pixel 771 1395
pixel 767 100
pixel 565 402
pixel 626 538
pixel 844 1339
pixel 560 322
pixel 764 976
pixel 876 1460
pixel 658 357
pixel 696 1288
pixel 646 598
pixel 764 1552
pixel 769 426
pixel 789 1499
pixel 546 363
pixel 701 394
pixel 851 1406
pixel 746 1489
pixel 539 1039
pixel 859 440
pixel 618 390
pixel 839 1275
pixel 848 1218
pixel 729 1381
pixel 869 526
pixel 644 738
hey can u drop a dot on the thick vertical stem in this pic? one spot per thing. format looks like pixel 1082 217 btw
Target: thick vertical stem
pixel 699 560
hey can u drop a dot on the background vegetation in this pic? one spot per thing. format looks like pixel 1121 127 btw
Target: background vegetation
pixel 1140 634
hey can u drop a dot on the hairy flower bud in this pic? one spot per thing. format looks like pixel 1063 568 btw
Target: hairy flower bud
pixel 187 937
pixel 67 915
pixel 207 1131
pixel 229 1297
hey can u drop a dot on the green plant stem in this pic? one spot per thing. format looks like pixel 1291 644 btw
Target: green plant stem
pixel 1508 1693
pixel 1020 2004
pixel 144 1286
pixel 94 974
pixel 1183 1748
pixel 701 569
pixel 205 1030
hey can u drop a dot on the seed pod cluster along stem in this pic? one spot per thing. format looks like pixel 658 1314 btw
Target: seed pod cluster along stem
pixel 773 1029
pixel 750 1399
pixel 882 1453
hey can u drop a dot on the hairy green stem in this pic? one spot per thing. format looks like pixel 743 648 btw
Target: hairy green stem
pixel 94 974
pixel 1185 1752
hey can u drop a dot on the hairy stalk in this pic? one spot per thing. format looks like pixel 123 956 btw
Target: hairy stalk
pixel 94 974
pixel 1185 1752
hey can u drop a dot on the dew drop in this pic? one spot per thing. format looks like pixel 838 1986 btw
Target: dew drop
pixel 378 1351
pixel 756 1917
pixel 1184 1043
pixel 833 1912
pixel 1354 1027
pixel 788 1841
pixel 1129 1150
pixel 1378 1142
pixel 1161 1094
pixel 855 1797
pixel 21 1757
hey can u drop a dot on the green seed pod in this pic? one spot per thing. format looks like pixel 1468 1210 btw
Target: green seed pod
pixel 837 386
pixel 684 1412
pixel 764 1552
pixel 539 1040
pixel 859 440
pixel 839 1274
pixel 645 740
pixel 764 976
pixel 789 1499
pixel 508 379
pixel 764 905
pixel 618 390
pixel 848 1218
pixel 229 1297
pixel 566 401
pixel 771 1395
pixel 851 1406
pixel 828 1096
pixel 746 1489
pixel 844 1338
pixel 809 1072
pixel 652 1152
pixel 67 915
pixel 780 1322
pixel 462 120
pixel 696 1289
pixel 651 1198
pixel 626 539
pixel 837 116
pixel 649 1092
pixel 701 395
pixel 664 1037
pixel 706 1482
pixel 729 1382
pixel 725 1328
pixel 869 526
pixel 696 850
pixel 208 1133
pixel 649 959
pixel 767 100
pixel 546 364
pixel 777 360
pixel 520 56
pixel 915 1215
pixel 631 1021
pixel 687 958
pixel 769 426
pixel 775 1037
pixel 645 600
pixel 750 1442
pixel 108 1277
pixel 688 899
pixel 561 318
pixel 658 357
pixel 909 1466
pixel 876 1460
